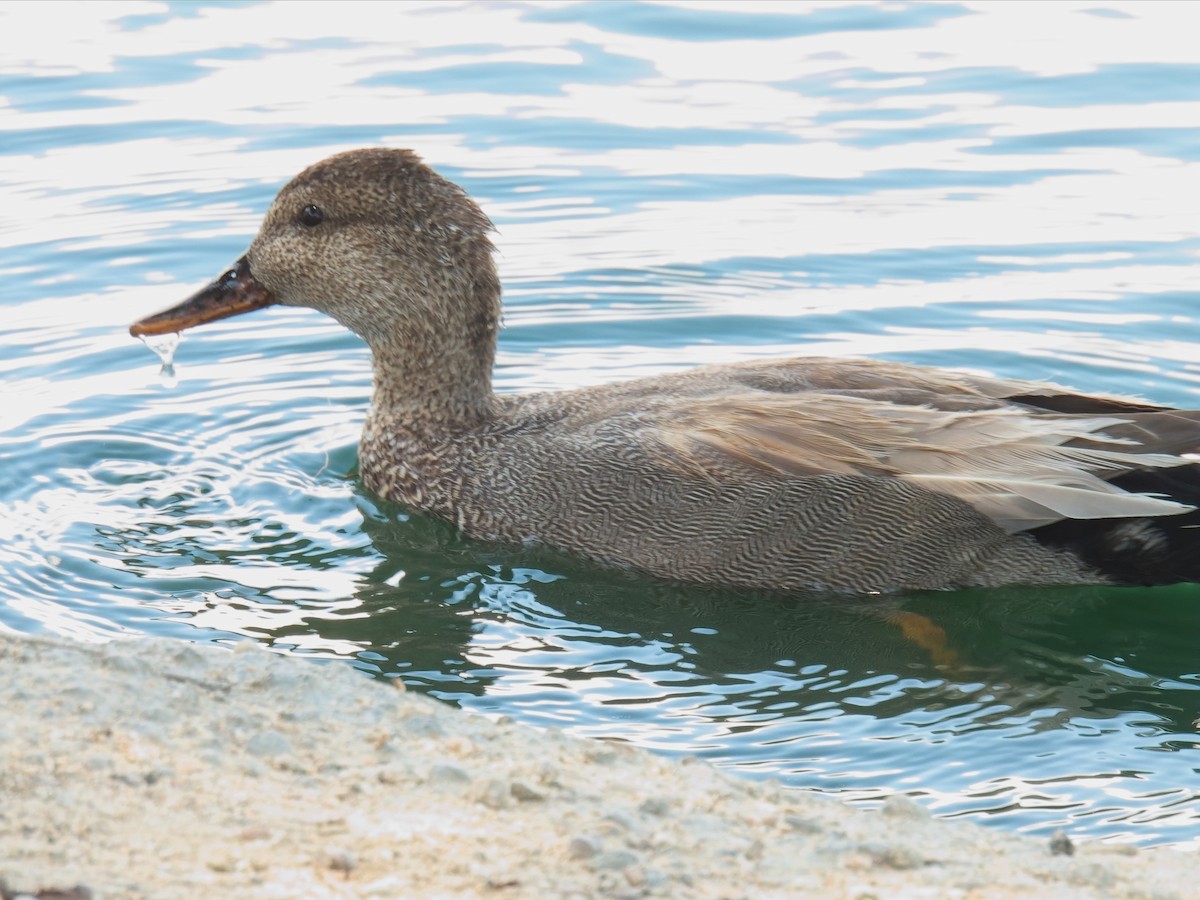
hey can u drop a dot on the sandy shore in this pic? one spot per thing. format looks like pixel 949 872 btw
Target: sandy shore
pixel 163 769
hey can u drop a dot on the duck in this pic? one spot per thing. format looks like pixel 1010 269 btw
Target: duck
pixel 787 475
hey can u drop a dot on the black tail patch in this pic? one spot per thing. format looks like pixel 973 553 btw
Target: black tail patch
pixel 1146 551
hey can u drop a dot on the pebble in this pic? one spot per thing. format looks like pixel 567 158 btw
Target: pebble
pixel 185 656
pixel 446 773
pixel 803 824
pixel 253 768
pixel 898 856
pixel 268 743
pixel 341 860
pixel 525 793
pixel 583 847
pixel 397 774
pixel 899 806
pixel 655 806
pixel 601 755
pixel 615 859
pixel 1060 844
pixel 620 819
pixel 155 775
pixel 496 795
pixel 116 659
pixel 424 726
pixel 99 762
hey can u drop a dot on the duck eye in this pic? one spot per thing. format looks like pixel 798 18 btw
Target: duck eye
pixel 311 216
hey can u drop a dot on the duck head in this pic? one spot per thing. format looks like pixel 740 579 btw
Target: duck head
pixel 383 244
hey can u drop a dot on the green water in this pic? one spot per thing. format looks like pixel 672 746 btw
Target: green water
pixel 1004 188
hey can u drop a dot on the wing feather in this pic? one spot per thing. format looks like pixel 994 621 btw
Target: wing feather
pixel 1022 468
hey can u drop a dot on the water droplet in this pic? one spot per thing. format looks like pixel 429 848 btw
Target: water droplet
pixel 164 346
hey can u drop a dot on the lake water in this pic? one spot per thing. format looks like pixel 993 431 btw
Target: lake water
pixel 1009 188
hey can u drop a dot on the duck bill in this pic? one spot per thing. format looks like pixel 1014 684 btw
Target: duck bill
pixel 234 293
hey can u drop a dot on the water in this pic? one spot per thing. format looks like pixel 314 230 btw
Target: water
pixel 163 346
pixel 1009 188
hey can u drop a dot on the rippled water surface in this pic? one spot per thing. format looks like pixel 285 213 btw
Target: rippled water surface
pixel 1009 188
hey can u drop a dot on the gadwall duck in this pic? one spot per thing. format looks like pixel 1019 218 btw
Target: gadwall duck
pixel 793 475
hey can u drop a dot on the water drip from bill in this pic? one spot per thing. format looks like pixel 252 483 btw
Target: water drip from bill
pixel 164 346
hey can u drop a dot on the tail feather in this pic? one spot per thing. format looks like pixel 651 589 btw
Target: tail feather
pixel 1143 550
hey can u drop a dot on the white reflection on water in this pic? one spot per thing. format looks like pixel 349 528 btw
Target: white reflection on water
pixel 92 38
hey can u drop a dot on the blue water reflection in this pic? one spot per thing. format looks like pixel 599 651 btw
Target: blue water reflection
pixel 673 184
pixel 711 24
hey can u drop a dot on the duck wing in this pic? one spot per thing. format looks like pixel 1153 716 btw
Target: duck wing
pixel 1021 466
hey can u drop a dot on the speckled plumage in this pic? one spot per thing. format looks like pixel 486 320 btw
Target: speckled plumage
pixel 799 474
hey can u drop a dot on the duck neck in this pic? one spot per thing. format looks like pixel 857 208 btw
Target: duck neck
pixel 433 359
pixel 433 388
